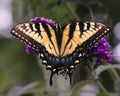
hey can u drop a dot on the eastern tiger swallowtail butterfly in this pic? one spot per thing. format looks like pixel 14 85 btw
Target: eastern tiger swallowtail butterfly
pixel 60 47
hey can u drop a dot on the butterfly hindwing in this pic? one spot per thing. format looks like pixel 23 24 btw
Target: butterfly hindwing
pixel 83 34
pixel 37 34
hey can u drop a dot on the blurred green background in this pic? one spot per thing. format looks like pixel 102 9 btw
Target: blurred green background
pixel 19 69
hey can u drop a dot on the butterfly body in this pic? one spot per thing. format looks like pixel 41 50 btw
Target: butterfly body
pixel 61 48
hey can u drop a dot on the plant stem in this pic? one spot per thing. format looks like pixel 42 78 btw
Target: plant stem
pixel 115 73
pixel 102 87
pixel 71 11
pixel 91 13
pixel 97 81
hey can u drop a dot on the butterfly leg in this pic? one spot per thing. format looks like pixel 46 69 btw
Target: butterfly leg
pixel 52 73
pixel 70 74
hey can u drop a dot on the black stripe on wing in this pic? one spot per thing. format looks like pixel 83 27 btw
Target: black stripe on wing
pixel 98 34
pixel 19 32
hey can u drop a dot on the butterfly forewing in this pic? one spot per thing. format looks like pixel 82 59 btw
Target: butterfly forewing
pixel 83 34
pixel 37 34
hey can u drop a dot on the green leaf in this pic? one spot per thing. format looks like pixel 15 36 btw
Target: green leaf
pixel 117 87
pixel 101 94
pixel 102 68
pixel 3 78
pixel 79 86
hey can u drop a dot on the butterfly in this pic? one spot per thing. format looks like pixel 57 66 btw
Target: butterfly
pixel 61 48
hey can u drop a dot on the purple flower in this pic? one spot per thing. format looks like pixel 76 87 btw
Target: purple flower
pixel 38 19
pixel 42 19
pixel 29 49
pixel 101 51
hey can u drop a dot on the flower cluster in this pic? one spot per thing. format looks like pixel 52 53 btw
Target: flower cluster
pixel 42 19
pixel 102 52
pixel 100 49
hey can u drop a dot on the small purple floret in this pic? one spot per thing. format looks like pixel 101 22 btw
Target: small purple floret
pixel 28 49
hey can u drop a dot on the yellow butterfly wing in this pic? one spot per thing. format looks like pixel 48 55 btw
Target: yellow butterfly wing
pixel 82 35
pixel 37 34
